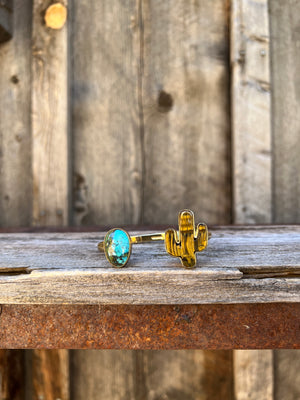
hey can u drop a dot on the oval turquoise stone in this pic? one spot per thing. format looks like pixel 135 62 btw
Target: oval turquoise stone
pixel 117 247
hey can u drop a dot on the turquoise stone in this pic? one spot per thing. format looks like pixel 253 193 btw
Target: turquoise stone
pixel 117 247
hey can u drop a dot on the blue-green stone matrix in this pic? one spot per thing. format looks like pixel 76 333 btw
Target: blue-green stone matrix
pixel 117 247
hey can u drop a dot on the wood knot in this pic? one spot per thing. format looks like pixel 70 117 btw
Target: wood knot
pixel 165 101
pixel 14 79
pixel 56 16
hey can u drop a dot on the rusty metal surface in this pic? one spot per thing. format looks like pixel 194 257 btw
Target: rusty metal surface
pixel 238 326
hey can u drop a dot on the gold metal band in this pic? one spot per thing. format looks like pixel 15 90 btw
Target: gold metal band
pixel 153 237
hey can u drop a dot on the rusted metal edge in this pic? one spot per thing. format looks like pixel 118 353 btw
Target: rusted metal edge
pixel 222 326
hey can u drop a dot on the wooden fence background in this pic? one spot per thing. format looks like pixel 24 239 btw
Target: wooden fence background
pixel 132 111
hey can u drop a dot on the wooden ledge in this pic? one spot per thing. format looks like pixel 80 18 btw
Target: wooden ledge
pixel 58 291
pixel 240 265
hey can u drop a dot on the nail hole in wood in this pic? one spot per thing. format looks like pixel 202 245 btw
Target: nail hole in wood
pixel 165 101
pixel 14 79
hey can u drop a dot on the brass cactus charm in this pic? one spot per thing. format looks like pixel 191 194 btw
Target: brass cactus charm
pixel 188 240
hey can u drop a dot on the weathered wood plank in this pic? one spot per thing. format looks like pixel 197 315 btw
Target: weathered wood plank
pixel 50 155
pixel 50 165
pixel 51 374
pixel 185 103
pixel 239 266
pixel 252 249
pixel 15 152
pixel 285 37
pixel 107 144
pixel 15 145
pixel 251 110
pixel 107 150
pixel 12 376
pixel 164 288
pixel 195 374
pixel 252 178
pixel 253 374
pixel 109 372
pixel 6 20
pixel 285 63
pixel 286 148
pixel 286 374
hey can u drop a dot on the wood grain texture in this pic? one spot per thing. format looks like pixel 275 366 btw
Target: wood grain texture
pixel 15 144
pixel 15 153
pixel 184 98
pixel 240 266
pixel 285 61
pixel 195 374
pixel 50 374
pixel 50 166
pixel 285 36
pixel 12 376
pixel 286 374
pixel 252 157
pixel 251 112
pixel 107 144
pixel 109 372
pixel 147 375
pixel 185 103
pixel 50 155
pixel 253 373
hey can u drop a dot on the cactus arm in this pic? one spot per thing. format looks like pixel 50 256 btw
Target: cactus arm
pixel 171 243
pixel 201 238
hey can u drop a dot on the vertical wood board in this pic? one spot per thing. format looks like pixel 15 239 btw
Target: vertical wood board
pixel 285 42
pixel 285 62
pixel 105 116
pixel 251 159
pixel 286 374
pixel 12 375
pixel 144 375
pixel 50 374
pixel 251 108
pixel 107 157
pixel 109 372
pixel 50 168
pixel 50 142
pixel 253 374
pixel 15 157
pixel 15 143
pixel 191 374
pixel 186 150
pixel 185 102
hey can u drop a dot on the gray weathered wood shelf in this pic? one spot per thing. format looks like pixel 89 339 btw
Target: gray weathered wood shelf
pixel 240 265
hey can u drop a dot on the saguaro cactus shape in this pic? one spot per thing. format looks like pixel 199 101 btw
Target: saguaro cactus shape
pixel 188 240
